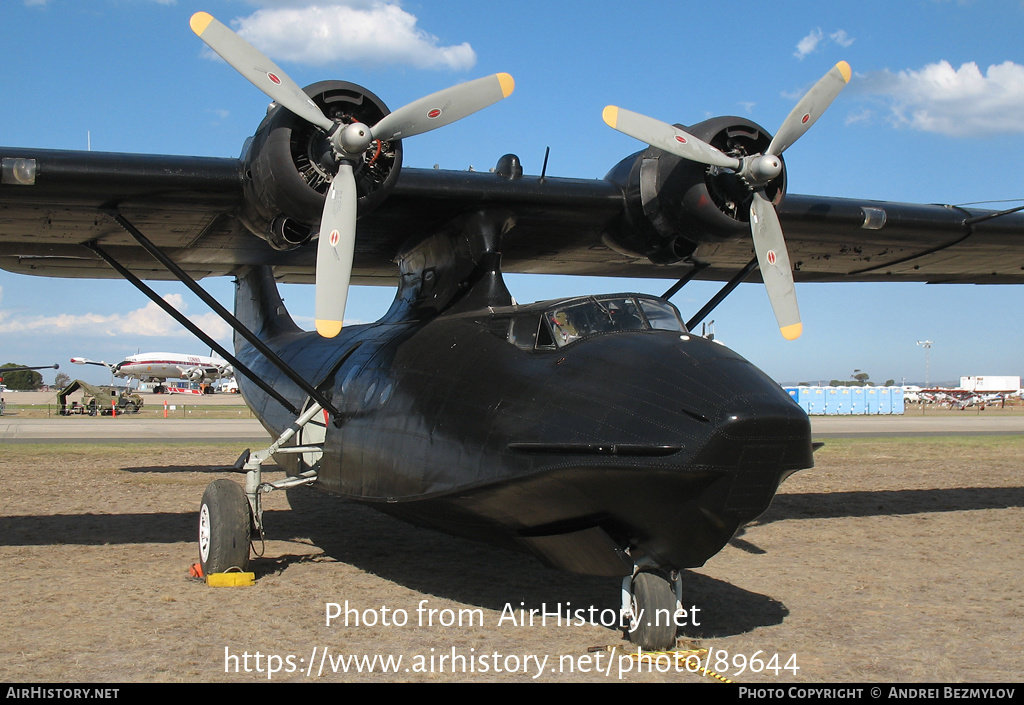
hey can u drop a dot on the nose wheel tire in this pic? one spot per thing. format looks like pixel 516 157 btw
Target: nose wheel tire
pixel 225 519
pixel 654 605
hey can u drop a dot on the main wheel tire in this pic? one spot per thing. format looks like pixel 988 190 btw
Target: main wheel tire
pixel 653 594
pixel 224 526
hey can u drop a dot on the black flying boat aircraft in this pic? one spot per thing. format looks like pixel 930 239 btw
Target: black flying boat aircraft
pixel 597 432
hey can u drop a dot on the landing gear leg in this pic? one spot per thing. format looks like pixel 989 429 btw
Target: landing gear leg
pixel 229 515
pixel 652 600
pixel 225 519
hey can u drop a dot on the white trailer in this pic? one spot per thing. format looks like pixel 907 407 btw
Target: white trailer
pixel 991 384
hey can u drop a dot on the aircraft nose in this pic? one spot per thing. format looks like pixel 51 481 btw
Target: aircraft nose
pixel 738 434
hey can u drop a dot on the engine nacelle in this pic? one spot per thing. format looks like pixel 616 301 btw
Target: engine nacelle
pixel 289 165
pixel 674 205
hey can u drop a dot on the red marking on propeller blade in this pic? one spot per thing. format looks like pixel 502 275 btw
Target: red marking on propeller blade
pixel 805 118
pixel 335 236
pixel 273 78
pixel 680 139
pixel 436 112
pixel 771 257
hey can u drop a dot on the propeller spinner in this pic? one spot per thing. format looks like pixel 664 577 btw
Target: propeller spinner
pixel 756 171
pixel 349 143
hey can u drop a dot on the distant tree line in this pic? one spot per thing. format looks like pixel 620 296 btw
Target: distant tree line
pixel 857 379
pixel 22 380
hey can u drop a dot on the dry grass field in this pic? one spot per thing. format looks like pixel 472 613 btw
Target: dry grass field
pixel 893 560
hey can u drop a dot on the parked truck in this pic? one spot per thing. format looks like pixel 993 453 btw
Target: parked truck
pixel 98 399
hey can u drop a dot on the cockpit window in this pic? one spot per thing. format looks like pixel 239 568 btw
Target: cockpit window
pixel 524 332
pixel 594 315
pixel 661 315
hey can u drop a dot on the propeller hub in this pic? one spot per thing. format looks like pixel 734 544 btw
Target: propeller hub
pixel 354 139
pixel 764 168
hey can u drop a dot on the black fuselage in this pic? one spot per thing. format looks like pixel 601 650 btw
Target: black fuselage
pixel 591 453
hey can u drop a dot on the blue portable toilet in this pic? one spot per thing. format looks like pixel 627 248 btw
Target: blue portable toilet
pixel 898 404
pixel 885 400
pixel 803 398
pixel 831 401
pixel 845 401
pixel 815 400
pixel 837 401
pixel 871 398
pixel 858 400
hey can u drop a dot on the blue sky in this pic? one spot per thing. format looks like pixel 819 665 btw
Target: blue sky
pixel 934 113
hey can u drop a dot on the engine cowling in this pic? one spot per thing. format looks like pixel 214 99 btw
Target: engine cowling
pixel 289 165
pixel 674 205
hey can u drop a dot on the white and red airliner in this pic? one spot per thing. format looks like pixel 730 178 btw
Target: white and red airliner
pixel 158 367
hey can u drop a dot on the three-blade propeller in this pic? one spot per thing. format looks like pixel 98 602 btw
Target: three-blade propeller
pixel 349 142
pixel 756 171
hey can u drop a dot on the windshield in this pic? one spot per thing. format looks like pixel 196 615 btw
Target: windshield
pixel 610 314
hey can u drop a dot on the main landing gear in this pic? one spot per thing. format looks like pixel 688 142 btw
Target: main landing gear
pixel 652 601
pixel 230 517
pixel 225 528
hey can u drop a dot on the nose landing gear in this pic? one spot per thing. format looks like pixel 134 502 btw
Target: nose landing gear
pixel 653 602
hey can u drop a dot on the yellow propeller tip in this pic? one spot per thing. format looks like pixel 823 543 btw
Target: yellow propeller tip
pixel 844 68
pixel 200 21
pixel 507 84
pixel 792 332
pixel 328 329
pixel 610 115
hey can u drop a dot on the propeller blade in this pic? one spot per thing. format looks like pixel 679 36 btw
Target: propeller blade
pixel 334 252
pixel 444 107
pixel 258 69
pixel 773 260
pixel 666 137
pixel 810 108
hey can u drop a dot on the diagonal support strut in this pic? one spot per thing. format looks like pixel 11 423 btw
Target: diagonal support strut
pixel 722 293
pixel 190 326
pixel 224 314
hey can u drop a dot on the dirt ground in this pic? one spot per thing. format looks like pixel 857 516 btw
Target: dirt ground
pixel 894 560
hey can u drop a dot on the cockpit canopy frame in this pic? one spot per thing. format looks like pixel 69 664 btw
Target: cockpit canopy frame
pixel 552 325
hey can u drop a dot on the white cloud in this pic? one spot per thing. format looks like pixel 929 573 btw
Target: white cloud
pixel 812 41
pixel 841 38
pixel 148 321
pixel 957 102
pixel 357 31
pixel 865 115
pixel 809 43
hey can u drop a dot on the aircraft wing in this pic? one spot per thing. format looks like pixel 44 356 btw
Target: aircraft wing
pixel 193 208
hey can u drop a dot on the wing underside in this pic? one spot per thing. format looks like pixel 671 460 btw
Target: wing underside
pixel 188 207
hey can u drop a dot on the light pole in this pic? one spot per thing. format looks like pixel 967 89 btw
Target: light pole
pixel 927 345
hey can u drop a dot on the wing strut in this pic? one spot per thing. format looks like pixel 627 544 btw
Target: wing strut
pixel 189 325
pixel 722 293
pixel 226 316
pixel 674 289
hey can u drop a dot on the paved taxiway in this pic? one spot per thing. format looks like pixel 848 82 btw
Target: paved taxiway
pixel 127 429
